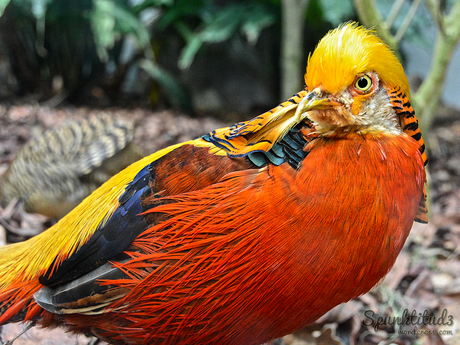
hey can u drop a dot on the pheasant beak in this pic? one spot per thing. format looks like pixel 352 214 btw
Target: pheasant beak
pixel 324 110
pixel 315 100
pixel 263 131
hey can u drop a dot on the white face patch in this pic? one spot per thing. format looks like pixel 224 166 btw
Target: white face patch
pixel 376 115
pixel 372 106
pixel 377 112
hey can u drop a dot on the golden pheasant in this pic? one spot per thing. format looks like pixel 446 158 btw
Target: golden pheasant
pixel 247 233
pixel 54 172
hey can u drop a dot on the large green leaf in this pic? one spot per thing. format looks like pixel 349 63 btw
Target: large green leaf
pixel 146 4
pixel 172 89
pixel 103 25
pixel 181 9
pixel 337 11
pixel 3 4
pixel 110 20
pixel 219 24
pixel 256 19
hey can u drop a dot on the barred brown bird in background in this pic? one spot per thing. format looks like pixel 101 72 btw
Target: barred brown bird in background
pixel 55 171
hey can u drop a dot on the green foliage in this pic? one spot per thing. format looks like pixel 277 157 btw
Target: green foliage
pixel 67 36
pixel 146 4
pixel 111 20
pixel 3 4
pixel 200 22
pixel 419 23
pixel 177 95
pixel 77 40
pixel 337 11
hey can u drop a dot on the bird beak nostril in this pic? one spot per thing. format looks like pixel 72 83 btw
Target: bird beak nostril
pixel 317 99
pixel 313 100
pixel 316 93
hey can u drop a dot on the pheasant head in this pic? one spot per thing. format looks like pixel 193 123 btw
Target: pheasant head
pixel 353 82
pixel 354 72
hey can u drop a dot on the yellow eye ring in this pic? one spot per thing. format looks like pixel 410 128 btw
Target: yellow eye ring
pixel 363 83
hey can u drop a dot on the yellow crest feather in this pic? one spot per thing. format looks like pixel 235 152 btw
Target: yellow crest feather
pixel 347 51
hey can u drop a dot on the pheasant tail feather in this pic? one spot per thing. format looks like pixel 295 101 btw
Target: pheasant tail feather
pixel 409 125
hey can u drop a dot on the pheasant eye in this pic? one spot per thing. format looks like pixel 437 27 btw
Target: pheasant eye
pixel 363 83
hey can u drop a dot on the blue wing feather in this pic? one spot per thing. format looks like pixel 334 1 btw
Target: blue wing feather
pixel 109 239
